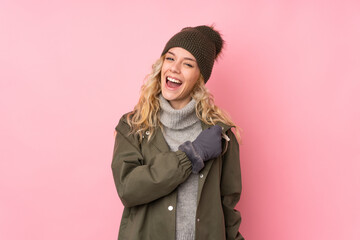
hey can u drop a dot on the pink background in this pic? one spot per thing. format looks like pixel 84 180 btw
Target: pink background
pixel 289 76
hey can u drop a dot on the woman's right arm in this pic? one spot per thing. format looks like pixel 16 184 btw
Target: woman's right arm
pixel 138 183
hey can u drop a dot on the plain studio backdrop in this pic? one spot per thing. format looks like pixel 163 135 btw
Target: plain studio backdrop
pixel 289 76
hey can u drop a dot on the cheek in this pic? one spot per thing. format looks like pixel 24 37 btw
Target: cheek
pixel 190 84
pixel 162 79
pixel 162 73
pixel 165 67
pixel 193 78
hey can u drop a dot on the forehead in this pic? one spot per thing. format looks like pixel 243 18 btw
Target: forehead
pixel 181 52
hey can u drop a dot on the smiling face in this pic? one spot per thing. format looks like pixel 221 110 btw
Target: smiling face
pixel 179 74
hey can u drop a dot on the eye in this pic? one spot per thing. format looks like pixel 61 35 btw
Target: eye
pixel 189 65
pixel 169 58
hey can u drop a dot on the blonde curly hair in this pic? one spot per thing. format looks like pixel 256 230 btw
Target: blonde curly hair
pixel 145 115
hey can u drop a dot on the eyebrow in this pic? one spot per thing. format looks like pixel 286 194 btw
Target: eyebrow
pixel 184 58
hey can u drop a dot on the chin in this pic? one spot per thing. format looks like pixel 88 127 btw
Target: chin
pixel 168 97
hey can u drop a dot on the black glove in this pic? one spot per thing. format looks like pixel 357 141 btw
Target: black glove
pixel 205 147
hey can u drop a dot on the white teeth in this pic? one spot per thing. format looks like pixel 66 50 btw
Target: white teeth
pixel 173 80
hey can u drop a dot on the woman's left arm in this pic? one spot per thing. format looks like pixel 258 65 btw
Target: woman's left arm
pixel 231 188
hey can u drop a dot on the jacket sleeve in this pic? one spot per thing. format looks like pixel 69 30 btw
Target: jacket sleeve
pixel 231 188
pixel 138 183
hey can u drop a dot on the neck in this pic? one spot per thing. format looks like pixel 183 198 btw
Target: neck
pixel 177 118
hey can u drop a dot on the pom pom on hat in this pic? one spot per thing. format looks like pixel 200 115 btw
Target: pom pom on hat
pixel 203 42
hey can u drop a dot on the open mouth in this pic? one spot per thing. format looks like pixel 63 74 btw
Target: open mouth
pixel 172 82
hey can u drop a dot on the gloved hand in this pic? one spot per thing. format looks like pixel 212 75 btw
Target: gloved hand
pixel 205 147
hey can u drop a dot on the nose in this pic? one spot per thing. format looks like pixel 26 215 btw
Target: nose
pixel 175 67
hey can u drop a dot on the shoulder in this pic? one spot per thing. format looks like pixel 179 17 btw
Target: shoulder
pixel 123 125
pixel 123 131
pixel 232 136
pixel 231 142
pixel 228 130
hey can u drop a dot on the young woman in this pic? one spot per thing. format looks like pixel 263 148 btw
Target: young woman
pixel 176 161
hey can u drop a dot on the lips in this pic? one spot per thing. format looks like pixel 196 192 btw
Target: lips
pixel 172 82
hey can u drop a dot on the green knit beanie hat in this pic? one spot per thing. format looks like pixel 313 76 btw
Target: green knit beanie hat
pixel 203 42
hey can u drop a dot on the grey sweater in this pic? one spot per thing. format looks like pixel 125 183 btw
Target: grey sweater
pixel 182 125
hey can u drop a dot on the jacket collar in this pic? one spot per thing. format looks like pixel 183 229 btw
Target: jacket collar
pixel 159 141
pixel 224 126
